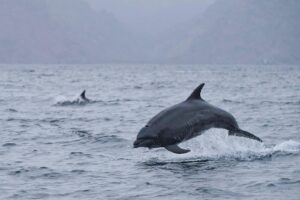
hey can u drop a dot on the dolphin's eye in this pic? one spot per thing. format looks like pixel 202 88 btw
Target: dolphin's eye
pixel 147 126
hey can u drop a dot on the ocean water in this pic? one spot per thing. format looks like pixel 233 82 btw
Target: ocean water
pixel 54 146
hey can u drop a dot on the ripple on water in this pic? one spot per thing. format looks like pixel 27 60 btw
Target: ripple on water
pixel 109 139
pixel 9 144
pixel 78 171
pixel 218 193
pixel 60 149
pixel 12 110
pixel 232 101
pixel 82 133
pixel 80 154
pixel 37 173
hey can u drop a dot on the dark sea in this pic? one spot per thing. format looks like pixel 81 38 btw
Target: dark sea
pixel 56 146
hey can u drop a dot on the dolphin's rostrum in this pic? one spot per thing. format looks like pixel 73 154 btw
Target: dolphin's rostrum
pixel 184 121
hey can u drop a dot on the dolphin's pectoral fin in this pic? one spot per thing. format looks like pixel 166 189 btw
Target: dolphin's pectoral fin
pixel 176 149
pixel 241 133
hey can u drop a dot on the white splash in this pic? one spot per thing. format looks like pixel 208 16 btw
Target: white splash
pixel 289 146
pixel 65 101
pixel 216 144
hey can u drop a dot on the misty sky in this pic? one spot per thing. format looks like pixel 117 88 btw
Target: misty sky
pixel 152 16
pixel 150 31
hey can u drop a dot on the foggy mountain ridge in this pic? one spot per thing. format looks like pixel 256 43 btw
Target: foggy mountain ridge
pixel 52 31
pixel 227 32
pixel 242 32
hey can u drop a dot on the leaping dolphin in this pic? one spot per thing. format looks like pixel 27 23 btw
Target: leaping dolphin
pixel 184 121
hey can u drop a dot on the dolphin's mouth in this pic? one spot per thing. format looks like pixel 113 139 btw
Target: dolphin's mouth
pixel 145 142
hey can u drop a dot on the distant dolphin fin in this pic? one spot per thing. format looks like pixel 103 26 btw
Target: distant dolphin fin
pixel 176 149
pixel 196 93
pixel 82 95
pixel 241 133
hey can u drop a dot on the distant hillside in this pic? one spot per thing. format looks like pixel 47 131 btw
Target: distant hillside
pixel 239 31
pixel 59 31
pixel 228 32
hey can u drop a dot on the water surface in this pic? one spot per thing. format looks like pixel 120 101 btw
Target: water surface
pixel 53 148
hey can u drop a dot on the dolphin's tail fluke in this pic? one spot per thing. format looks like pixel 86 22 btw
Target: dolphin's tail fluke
pixel 242 133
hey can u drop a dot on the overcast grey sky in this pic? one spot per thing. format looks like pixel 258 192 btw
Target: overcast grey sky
pixel 152 16
pixel 150 31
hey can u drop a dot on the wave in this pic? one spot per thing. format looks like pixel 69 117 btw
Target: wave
pixel 11 110
pixel 231 101
pixel 36 172
pixel 216 145
pixel 68 101
pixel 64 101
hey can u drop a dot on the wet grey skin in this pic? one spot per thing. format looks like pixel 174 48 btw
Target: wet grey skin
pixel 83 97
pixel 185 121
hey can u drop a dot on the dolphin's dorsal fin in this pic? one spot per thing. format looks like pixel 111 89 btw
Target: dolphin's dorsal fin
pixel 82 95
pixel 196 93
pixel 176 149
